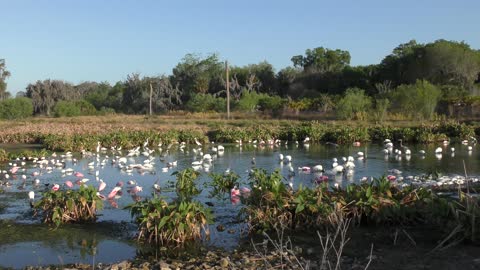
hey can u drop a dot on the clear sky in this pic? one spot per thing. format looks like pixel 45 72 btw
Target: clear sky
pixel 104 40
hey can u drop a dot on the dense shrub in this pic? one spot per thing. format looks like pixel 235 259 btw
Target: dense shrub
pixel 73 108
pixel 354 104
pixel 249 101
pixel 206 103
pixel 417 101
pixel 16 108
pixel 271 103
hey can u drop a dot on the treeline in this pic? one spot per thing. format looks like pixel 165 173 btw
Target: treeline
pixel 416 81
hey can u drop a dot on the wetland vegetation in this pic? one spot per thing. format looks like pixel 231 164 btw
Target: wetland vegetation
pixel 180 171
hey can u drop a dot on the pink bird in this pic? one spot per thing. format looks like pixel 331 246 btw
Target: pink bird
pixel 114 192
pixel 78 174
pixel 101 196
pixel 235 200
pixel 14 169
pixel 136 189
pixel 56 187
pixel 391 178
pixel 69 183
pixel 113 203
pixel 35 174
pixel 102 186
pixel 321 178
pixel 235 192
pixel 245 192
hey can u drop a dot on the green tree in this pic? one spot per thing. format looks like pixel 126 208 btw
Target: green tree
pixel 4 74
pixel 450 62
pixel 354 104
pixel 195 74
pixel 322 60
pixel 45 94
pixel 285 78
pixel 136 96
pixel 16 108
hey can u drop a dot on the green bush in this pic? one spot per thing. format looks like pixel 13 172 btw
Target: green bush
pixel 70 206
pixel 73 108
pixel 160 222
pixel 354 105
pixel 206 103
pixel 16 108
pixel 417 101
pixel 271 103
pixel 249 101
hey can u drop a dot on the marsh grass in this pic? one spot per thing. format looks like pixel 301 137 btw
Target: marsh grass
pixel 82 133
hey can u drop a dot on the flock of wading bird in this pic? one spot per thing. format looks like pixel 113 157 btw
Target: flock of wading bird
pixel 28 170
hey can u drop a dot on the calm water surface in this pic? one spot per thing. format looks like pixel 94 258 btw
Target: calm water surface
pixel 28 242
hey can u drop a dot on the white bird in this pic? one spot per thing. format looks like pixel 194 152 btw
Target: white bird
pixel 318 168
pixel 197 142
pixel 438 150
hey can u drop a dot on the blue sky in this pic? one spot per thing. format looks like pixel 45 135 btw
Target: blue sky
pixel 104 40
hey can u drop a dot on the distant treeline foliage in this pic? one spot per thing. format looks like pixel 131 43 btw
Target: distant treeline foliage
pixel 416 81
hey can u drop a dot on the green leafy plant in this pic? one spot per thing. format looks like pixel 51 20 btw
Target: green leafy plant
pixel 160 222
pixel 186 186
pixel 69 206
pixel 222 183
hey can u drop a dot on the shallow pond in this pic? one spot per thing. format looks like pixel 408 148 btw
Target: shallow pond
pixel 111 239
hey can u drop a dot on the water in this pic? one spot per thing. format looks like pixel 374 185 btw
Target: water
pixel 111 238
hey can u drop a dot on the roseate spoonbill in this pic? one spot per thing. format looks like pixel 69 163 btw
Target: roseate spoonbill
pixel 14 169
pixel 102 185
pixel 114 192
pixel 101 196
pixel 56 187
pixel 234 192
pixel 78 174
pixel 136 189
pixel 69 183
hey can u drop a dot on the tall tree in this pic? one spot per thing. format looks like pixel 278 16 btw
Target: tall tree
pixel 137 94
pixel 4 74
pixel 322 60
pixel 195 74
pixel 45 94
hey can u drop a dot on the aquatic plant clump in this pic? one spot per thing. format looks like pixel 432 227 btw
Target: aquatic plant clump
pixel 69 206
pixel 272 204
pixel 160 222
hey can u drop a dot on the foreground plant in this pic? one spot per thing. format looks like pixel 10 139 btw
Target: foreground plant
pixel 222 183
pixel 186 185
pixel 160 222
pixel 69 206
pixel 378 202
